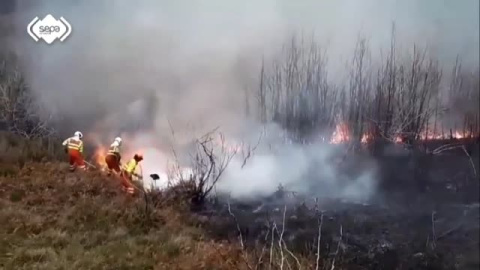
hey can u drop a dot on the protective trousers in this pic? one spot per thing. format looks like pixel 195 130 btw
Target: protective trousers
pixel 127 185
pixel 76 160
pixel 113 163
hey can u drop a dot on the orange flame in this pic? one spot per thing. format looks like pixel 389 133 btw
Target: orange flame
pixel 430 135
pixel 340 135
pixel 366 138
pixel 100 154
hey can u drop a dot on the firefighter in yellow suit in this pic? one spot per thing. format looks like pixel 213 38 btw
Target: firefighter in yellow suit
pixel 128 170
pixel 74 148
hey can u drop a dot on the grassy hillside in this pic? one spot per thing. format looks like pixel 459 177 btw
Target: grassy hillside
pixel 52 219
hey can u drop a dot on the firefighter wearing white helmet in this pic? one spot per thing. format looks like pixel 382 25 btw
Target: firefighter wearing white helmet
pixel 113 156
pixel 74 148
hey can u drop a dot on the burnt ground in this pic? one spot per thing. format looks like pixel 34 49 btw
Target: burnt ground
pixel 425 216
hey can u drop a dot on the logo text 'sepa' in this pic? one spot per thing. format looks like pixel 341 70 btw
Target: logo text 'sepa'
pixel 49 29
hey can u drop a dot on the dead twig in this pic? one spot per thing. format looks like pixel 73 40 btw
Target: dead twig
pixel 338 248
pixel 446 147
pixel 238 226
pixel 471 161
pixel 318 242
pixel 448 232
pixel 274 227
pixel 434 244
pixel 282 259
pixel 262 253
pixel 291 254
pixel 250 151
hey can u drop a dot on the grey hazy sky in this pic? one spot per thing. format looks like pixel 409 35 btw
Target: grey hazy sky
pixel 198 53
pixel 449 26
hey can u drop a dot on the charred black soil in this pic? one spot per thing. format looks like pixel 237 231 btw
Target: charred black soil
pixel 424 216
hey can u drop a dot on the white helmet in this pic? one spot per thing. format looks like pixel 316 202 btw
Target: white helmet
pixel 78 134
pixel 118 139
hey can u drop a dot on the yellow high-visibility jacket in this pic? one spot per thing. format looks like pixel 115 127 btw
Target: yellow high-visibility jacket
pixel 74 143
pixel 130 166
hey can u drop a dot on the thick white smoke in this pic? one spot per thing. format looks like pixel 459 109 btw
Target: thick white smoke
pixel 145 68
pixel 315 169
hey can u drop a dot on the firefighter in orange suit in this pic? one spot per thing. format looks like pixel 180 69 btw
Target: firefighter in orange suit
pixel 113 156
pixel 74 148
pixel 128 170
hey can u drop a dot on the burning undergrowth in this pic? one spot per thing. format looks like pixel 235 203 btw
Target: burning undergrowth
pixel 248 168
pixel 251 166
pixel 257 165
pixel 157 159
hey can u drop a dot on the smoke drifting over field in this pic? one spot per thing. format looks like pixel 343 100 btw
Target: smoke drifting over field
pixel 133 68
pixel 306 169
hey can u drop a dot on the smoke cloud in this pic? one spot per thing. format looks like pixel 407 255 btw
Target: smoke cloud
pixel 313 169
pixel 148 68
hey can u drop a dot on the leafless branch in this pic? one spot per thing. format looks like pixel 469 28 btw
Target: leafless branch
pixel 338 248
pixel 292 255
pixel 264 247
pixel 319 241
pixel 177 171
pixel 210 160
pixel 294 91
pixel 19 110
pixel 448 232
pixel 434 236
pixel 240 237
pixel 280 240
pixel 471 161
pixel 246 154
pixel 274 227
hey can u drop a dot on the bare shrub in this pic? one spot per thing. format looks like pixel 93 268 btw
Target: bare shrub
pixel 208 163
pixel 405 93
pixel 397 99
pixel 356 97
pixel 463 114
pixel 31 137
pixel 19 111
pixel 294 91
